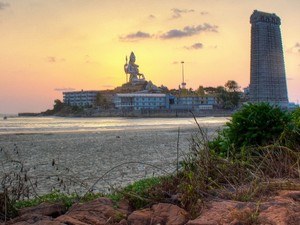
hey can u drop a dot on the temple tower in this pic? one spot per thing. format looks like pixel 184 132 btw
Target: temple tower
pixel 267 79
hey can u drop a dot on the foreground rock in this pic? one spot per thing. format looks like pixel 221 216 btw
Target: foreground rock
pixel 161 213
pixel 98 212
pixel 282 209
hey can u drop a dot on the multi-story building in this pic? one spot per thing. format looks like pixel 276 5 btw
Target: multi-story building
pixel 80 98
pixel 267 80
pixel 154 101
pixel 194 102
pixel 139 101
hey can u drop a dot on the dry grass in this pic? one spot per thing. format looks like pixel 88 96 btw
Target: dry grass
pixel 205 175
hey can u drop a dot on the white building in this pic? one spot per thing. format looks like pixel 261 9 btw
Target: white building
pixel 194 102
pixel 80 98
pixel 138 101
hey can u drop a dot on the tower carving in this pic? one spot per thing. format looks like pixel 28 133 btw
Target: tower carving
pixel 267 79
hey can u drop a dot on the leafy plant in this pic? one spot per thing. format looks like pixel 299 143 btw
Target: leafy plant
pixel 254 125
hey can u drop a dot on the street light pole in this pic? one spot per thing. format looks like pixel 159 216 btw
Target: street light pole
pixel 183 84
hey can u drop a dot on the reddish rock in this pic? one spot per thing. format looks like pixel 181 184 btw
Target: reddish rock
pixel 46 209
pixel 140 217
pixel 215 213
pixel 123 222
pixel 32 219
pixel 41 214
pixel 41 222
pixel 65 219
pixel 98 212
pixel 161 213
pixel 283 209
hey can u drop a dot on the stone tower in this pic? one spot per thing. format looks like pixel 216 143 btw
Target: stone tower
pixel 267 80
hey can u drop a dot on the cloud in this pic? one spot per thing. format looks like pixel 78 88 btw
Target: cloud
pixel 294 49
pixel 53 59
pixel 194 46
pixel 4 5
pixel 151 17
pixel 64 89
pixel 135 36
pixel 204 13
pixel 189 31
pixel 178 12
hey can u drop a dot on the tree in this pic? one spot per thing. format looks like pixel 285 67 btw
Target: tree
pixel 229 95
pixel 200 91
pixel 58 105
pixel 102 101
pixel 232 86
pixel 210 90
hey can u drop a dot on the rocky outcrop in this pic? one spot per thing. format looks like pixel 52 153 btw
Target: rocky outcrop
pixel 98 212
pixel 45 209
pixel 282 209
pixel 161 213
pixel 44 213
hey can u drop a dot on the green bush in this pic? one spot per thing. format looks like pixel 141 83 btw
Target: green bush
pixel 296 117
pixel 254 125
pixel 139 193
pixel 291 135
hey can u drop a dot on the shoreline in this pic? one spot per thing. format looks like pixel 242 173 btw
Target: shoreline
pixel 96 113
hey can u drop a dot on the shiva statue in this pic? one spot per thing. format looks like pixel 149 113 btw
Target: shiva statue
pixel 133 70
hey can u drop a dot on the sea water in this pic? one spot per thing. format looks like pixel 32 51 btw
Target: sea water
pixel 62 124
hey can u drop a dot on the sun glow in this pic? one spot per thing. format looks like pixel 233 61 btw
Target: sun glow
pixel 49 46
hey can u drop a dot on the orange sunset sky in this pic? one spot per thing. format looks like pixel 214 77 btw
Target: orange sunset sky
pixel 58 45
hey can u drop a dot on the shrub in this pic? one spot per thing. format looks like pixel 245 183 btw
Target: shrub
pixel 291 135
pixel 139 193
pixel 254 125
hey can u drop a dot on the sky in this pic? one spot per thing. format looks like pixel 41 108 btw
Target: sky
pixel 48 47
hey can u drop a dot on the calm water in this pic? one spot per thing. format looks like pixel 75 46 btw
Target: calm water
pixel 59 124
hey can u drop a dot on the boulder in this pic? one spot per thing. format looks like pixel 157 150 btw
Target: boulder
pixel 46 209
pixel 216 212
pixel 162 213
pixel 282 209
pixel 98 212
pixel 41 214
pixel 32 219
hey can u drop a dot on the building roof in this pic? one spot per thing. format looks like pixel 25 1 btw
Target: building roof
pixel 140 95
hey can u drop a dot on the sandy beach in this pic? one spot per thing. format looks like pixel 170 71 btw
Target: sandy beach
pixel 74 161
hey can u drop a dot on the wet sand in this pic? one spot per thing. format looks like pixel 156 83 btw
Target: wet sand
pixel 116 158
